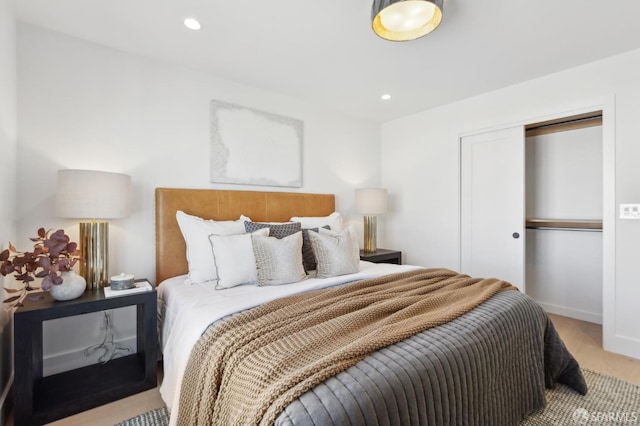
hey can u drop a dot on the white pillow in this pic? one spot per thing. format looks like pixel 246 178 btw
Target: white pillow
pixel 334 220
pixel 235 262
pixel 195 232
pixel 278 261
pixel 337 253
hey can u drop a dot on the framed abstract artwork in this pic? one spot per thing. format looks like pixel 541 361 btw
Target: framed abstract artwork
pixel 252 147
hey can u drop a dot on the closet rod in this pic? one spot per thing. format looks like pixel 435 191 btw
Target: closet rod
pixel 551 228
pixel 562 123
pixel 574 122
pixel 580 225
pixel 533 223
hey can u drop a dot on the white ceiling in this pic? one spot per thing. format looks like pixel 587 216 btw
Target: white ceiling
pixel 325 52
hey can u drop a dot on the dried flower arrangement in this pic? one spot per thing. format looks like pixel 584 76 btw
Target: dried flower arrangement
pixel 53 253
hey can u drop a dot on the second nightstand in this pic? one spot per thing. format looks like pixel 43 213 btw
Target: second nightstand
pixel 382 256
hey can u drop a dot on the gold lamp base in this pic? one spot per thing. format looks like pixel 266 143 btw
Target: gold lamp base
pixel 370 233
pixel 94 248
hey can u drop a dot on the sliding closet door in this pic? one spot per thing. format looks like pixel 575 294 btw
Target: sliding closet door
pixel 492 205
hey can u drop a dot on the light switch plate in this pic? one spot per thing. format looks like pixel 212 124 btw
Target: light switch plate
pixel 629 211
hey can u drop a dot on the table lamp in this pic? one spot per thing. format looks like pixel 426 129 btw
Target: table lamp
pixel 92 195
pixel 371 202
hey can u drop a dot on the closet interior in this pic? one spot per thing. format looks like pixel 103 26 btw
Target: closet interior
pixel 563 187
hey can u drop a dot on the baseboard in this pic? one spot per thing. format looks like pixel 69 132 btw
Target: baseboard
pixel 57 363
pixel 6 401
pixel 622 345
pixel 571 312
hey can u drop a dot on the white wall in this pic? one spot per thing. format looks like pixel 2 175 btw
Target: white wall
pixel 564 272
pixel 81 105
pixel 564 174
pixel 8 170
pixel 420 167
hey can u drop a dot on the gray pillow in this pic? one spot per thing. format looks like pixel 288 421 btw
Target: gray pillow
pixel 278 261
pixel 278 230
pixel 337 253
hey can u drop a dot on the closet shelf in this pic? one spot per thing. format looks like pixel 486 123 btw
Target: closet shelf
pixel 569 224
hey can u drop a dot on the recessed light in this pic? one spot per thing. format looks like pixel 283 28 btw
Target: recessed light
pixel 192 24
pixel 385 97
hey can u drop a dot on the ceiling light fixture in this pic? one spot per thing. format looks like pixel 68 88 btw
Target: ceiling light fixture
pixel 192 24
pixel 403 20
pixel 385 97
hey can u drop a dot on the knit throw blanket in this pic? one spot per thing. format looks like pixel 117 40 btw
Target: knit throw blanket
pixel 247 369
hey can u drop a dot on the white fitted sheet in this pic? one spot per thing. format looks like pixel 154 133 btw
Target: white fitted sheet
pixel 188 309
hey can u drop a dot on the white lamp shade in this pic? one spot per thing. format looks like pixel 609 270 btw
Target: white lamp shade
pixel 90 194
pixel 371 201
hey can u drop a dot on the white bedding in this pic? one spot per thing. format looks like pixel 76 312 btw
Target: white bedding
pixel 190 308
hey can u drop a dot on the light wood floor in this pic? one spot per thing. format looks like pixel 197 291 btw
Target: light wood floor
pixel 583 340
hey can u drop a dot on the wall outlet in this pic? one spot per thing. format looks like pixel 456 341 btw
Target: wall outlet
pixel 629 211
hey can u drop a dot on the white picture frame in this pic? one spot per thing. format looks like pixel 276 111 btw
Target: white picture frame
pixel 252 147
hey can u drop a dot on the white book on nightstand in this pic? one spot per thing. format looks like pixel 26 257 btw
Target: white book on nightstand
pixel 140 287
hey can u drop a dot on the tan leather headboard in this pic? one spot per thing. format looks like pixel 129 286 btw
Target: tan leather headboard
pixel 171 257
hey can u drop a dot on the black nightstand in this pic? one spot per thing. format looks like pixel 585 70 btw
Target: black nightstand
pixel 39 400
pixel 382 256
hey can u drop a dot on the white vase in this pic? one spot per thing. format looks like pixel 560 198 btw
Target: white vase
pixel 72 287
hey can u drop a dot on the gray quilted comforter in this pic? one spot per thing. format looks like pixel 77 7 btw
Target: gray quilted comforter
pixel 488 367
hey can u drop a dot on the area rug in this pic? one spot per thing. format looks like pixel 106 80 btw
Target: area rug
pixel 157 417
pixel 610 401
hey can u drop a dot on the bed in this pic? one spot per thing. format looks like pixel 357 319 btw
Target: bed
pixel 487 366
